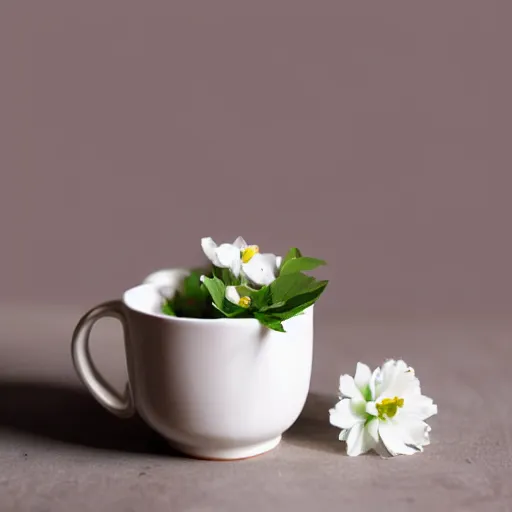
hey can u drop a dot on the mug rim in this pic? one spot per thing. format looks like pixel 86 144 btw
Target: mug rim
pixel 185 319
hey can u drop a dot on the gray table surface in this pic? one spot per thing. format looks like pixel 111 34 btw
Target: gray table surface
pixel 60 451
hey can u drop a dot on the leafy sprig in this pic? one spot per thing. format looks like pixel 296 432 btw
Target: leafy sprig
pixel 204 295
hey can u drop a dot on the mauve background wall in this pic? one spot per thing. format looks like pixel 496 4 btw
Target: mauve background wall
pixel 374 134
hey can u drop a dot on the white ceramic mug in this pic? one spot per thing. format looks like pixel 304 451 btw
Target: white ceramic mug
pixel 214 388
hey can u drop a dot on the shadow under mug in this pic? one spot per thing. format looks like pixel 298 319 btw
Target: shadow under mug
pixel 219 389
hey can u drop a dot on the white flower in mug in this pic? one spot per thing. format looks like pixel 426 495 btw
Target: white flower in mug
pixel 261 269
pixel 243 259
pixel 243 283
pixel 224 255
pixel 383 411
pixel 233 296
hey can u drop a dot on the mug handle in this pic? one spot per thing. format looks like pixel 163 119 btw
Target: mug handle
pixel 120 405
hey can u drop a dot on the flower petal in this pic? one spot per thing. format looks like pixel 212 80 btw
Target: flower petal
pixel 371 408
pixel 228 256
pixel 388 374
pixel 236 267
pixel 415 432
pixel 226 253
pixel 372 428
pixel 210 249
pixel 374 382
pixel 240 243
pixel 397 380
pixel 344 434
pixel 394 439
pixel 260 269
pixel 419 406
pixel 344 416
pixel 232 294
pixel 349 389
pixel 279 260
pixel 359 440
pixel 362 376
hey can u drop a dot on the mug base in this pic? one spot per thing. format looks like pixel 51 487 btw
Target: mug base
pixel 228 454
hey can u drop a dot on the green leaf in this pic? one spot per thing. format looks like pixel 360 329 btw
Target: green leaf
pixel 261 298
pixel 245 290
pixel 192 286
pixel 270 322
pixel 167 309
pixel 301 299
pixel 228 278
pixel 192 300
pixel 220 310
pixel 231 310
pixel 290 313
pixel 215 312
pixel 300 264
pixel 217 290
pixel 288 286
pixel 297 291
pixel 272 306
pixel 225 275
pixel 292 254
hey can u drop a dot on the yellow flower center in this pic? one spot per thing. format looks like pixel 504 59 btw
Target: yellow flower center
pixel 249 252
pixel 389 407
pixel 245 302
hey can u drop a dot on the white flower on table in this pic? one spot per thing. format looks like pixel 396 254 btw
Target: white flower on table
pixel 241 258
pixel 383 411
